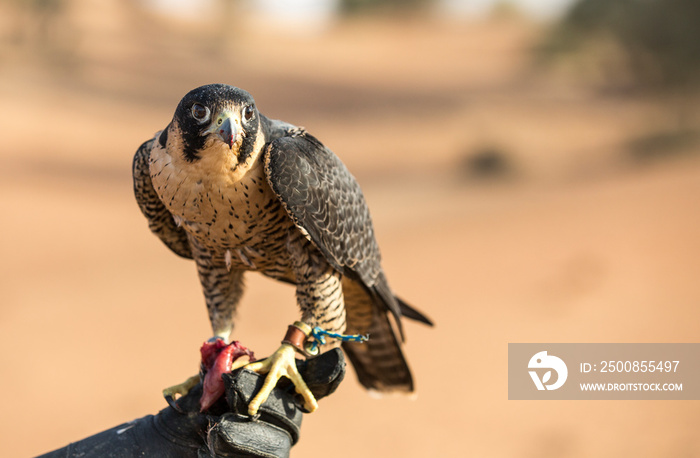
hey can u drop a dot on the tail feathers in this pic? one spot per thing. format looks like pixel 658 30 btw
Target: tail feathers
pixel 410 312
pixel 379 362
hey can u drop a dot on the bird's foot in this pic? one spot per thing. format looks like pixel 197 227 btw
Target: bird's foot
pixel 173 393
pixel 282 363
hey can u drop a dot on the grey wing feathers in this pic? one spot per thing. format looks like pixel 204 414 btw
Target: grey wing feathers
pixel 160 221
pixel 325 202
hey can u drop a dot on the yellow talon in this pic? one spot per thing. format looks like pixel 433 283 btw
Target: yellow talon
pixel 182 389
pixel 280 364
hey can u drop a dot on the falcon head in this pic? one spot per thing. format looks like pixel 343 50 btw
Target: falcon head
pixel 216 124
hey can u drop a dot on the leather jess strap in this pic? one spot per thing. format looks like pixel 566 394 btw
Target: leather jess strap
pixel 297 335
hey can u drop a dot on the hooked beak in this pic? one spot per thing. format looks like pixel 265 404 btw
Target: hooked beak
pixel 225 128
pixel 227 131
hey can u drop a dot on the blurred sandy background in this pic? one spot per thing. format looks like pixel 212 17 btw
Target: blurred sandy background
pixel 514 202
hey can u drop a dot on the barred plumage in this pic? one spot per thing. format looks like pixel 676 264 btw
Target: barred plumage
pixel 237 192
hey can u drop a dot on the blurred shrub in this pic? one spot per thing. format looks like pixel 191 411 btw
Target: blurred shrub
pixel 487 162
pixel 43 15
pixel 659 39
pixel 41 29
pixel 360 6
pixel 658 146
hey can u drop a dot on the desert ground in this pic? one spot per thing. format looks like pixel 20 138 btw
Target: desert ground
pixel 570 240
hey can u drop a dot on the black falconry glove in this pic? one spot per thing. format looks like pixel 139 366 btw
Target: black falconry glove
pixel 225 429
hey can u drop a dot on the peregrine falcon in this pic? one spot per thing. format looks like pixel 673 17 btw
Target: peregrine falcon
pixel 235 191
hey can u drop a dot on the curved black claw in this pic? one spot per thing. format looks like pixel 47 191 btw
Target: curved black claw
pixel 181 389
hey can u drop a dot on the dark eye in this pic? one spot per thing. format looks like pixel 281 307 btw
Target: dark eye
pixel 200 112
pixel 248 112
